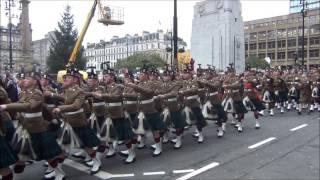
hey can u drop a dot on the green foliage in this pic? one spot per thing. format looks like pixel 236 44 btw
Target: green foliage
pixel 139 59
pixel 255 62
pixel 62 44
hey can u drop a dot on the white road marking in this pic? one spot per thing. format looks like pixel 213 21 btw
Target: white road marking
pixel 182 171
pixel 83 168
pixel 199 171
pixel 299 127
pixel 154 173
pixel 122 175
pixel 261 143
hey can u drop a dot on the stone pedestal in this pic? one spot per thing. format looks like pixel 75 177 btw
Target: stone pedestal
pixel 218 35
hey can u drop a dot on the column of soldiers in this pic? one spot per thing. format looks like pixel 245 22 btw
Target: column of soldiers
pixel 95 117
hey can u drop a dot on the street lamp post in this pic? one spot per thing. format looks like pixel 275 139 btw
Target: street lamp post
pixel 175 34
pixel 9 5
pixel 303 13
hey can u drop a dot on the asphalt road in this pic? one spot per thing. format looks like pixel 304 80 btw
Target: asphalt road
pixel 285 147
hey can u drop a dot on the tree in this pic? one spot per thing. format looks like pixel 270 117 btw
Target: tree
pixel 139 59
pixel 62 44
pixel 255 62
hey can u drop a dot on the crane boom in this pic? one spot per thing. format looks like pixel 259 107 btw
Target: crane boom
pixel 78 44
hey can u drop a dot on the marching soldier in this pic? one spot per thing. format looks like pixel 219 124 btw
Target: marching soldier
pixel 147 110
pixel 115 111
pixel 172 104
pixel 213 98
pixel 43 144
pixel 74 116
pixel 252 99
pixel 280 90
pixel 305 93
pixel 268 96
pixel 233 99
pixel 191 102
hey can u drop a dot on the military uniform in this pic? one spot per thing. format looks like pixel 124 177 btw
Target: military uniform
pixel 280 92
pixel 148 112
pixel 305 92
pixel 191 101
pixel 74 116
pixel 5 116
pixel 268 93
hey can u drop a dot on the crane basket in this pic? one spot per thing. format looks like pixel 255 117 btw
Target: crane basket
pixel 110 15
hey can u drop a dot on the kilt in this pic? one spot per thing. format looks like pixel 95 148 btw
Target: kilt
pixel 123 129
pixel 177 120
pixel 155 122
pixel 239 107
pixel 10 130
pixel 282 96
pixel 218 109
pixel 258 104
pixel 87 136
pixel 200 121
pixel 136 122
pixel 45 146
pixel 7 156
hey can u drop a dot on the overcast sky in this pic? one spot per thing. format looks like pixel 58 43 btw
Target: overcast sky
pixel 146 15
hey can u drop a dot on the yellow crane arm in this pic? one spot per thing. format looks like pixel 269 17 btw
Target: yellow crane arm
pixel 77 47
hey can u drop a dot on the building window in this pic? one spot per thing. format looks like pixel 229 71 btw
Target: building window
pixel 253 46
pixel 271 45
pixel 271 55
pixel 262 55
pixel 246 46
pixel 314 40
pixel 262 35
pixel 291 54
pixel 253 35
pixel 300 53
pixel 282 44
pixel 305 41
pixel 314 53
pixel 292 42
pixel 281 33
pixel 281 55
pixel 262 45
pixel 271 34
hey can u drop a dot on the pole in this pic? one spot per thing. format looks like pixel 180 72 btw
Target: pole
pixel 10 36
pixel 234 50
pixel 171 48
pixel 303 15
pixel 175 35
pixel 127 48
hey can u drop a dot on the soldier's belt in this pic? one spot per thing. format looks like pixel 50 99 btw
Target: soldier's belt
pixel 172 99
pixel 98 104
pixel 51 105
pixel 146 101
pixel 115 104
pixel 235 91
pixel 214 93
pixel 192 97
pixel 33 115
pixel 247 90
pixel 75 112
pixel 130 102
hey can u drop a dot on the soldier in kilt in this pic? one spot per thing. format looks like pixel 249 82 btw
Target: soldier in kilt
pixel 81 135
pixel 97 116
pixel 252 98
pixel 115 111
pixel 42 144
pixel 233 98
pixel 213 100
pixel 149 116
pixel 280 90
pixel 172 105
pixel 315 91
pixel 305 93
pixel 268 93
pixel 191 102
